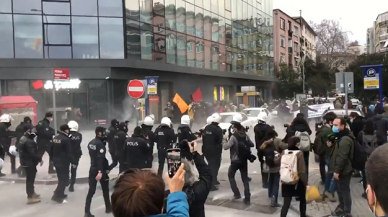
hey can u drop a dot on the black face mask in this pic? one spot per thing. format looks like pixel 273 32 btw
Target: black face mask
pixel 32 135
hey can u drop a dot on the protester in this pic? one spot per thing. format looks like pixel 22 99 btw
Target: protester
pixel 141 193
pixel 356 123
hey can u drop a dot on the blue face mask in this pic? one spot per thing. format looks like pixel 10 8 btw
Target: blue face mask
pixel 335 129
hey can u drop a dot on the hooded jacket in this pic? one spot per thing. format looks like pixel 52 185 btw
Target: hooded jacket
pixel 280 146
pixel 232 144
pixel 342 153
pixel 381 124
pixel 357 125
pixel 28 152
pixel 298 124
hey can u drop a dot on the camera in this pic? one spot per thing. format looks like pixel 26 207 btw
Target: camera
pixel 332 138
pixel 200 133
pixel 318 125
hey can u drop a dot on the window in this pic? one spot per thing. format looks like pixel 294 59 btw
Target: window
pixel 282 58
pixel 111 38
pixel 158 7
pixel 33 6
pixel 85 37
pixel 28 36
pixel 57 52
pixel 160 43
pixel 282 23
pixel 199 22
pixel 57 34
pixel 132 9
pixel 84 7
pixel 189 46
pixel 171 47
pixel 110 8
pixel 296 47
pixel 56 8
pixel 146 41
pixel 5 6
pixel 282 41
pixel 296 30
pixel 289 26
pixel 181 16
pixel 146 11
pixel 133 39
pixel 6 39
pixel 170 14
pixel 190 19
pixel 199 47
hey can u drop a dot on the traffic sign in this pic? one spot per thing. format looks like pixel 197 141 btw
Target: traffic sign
pixel 61 74
pixel 342 80
pixel 135 88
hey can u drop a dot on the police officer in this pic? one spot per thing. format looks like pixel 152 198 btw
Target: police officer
pixel 120 137
pixel 29 159
pixel 5 141
pixel 61 154
pixel 45 134
pixel 99 170
pixel 260 130
pixel 185 137
pixel 76 139
pixel 147 125
pixel 20 128
pixel 137 150
pixel 111 132
pixel 212 147
pixel 165 138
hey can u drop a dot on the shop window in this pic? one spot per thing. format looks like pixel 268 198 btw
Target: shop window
pixel 85 37
pixel 84 7
pixel 110 8
pixel 28 36
pixel 111 38
pixel 6 39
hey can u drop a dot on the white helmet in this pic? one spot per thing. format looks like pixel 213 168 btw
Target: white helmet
pixel 185 119
pixel 73 125
pixel 12 150
pixel 152 116
pixel 216 118
pixel 237 118
pixel 209 120
pixel 149 121
pixel 6 118
pixel 166 121
pixel 1 163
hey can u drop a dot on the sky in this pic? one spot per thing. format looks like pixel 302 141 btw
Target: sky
pixel 355 16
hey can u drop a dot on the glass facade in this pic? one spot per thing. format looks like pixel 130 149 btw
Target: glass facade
pixel 223 35
pixel 79 29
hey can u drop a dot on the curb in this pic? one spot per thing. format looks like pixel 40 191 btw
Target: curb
pixel 79 180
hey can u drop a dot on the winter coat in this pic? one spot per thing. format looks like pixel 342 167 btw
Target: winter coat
pixel 232 144
pixel 342 153
pixel 279 147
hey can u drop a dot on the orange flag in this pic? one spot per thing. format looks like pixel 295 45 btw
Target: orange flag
pixel 182 105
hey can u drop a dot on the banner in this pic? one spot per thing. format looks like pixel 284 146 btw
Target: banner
pixel 321 108
pixel 197 95
pixel 182 105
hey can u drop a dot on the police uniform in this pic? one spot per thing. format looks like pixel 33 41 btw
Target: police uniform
pixel 5 142
pixel 76 139
pixel 184 136
pixel 147 131
pixel 61 154
pixel 110 133
pixel 137 150
pixel 45 134
pixel 164 137
pixel 98 164
pixel 120 138
pixel 212 148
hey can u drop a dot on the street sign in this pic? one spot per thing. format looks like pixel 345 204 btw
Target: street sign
pixel 135 88
pixel 152 85
pixel 300 97
pixel 61 74
pixel 340 83
pixel 371 78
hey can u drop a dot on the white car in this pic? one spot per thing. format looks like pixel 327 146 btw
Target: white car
pixel 255 113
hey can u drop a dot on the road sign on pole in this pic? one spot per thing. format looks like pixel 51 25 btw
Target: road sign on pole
pixel 342 80
pixel 135 89
pixel 373 79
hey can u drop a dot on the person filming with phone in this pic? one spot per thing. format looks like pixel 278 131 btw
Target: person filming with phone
pixel 141 193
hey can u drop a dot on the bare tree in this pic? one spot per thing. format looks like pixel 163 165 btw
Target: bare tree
pixel 332 43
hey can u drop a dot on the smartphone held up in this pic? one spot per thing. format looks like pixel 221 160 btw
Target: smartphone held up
pixel 173 161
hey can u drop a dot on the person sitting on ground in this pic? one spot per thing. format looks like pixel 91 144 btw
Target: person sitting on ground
pixel 377 189
pixel 141 193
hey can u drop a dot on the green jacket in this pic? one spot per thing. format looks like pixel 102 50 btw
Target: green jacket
pixel 326 131
pixel 341 155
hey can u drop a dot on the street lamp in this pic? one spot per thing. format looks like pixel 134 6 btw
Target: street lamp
pixel 46 38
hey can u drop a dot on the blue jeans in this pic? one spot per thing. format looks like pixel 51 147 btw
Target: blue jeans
pixel 306 155
pixel 330 185
pixel 273 185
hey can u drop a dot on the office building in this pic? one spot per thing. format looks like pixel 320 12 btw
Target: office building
pixel 377 36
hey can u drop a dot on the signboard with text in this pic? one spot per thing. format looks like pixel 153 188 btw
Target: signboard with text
pixel 152 85
pixel 372 76
pixel 135 88
pixel 61 74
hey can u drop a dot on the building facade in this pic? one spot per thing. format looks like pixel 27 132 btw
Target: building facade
pixel 215 45
pixel 377 36
pixel 307 39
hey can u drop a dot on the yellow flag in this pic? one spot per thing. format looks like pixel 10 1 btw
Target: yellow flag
pixel 182 105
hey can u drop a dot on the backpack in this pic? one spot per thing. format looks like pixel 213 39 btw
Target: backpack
pixel 244 150
pixel 305 141
pixel 289 167
pixel 272 157
pixel 318 147
pixel 359 157
pixel 369 142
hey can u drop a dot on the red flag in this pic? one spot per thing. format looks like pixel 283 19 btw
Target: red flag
pixel 37 84
pixel 197 95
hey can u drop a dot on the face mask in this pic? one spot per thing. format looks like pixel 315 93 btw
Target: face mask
pixel 32 135
pixel 335 129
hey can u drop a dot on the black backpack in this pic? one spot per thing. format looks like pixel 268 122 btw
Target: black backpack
pixel 359 157
pixel 244 150
pixel 369 143
pixel 318 147
pixel 269 154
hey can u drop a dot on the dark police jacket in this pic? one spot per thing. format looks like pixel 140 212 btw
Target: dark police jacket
pixel 164 137
pixel 212 140
pixel 5 136
pixel 97 152
pixel 185 135
pixel 28 152
pixel 120 138
pixel 61 152
pixel 137 152
pixel 112 131
pixel 147 130
pixel 44 132
pixel 76 139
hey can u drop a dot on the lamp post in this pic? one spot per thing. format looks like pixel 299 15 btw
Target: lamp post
pixel 46 38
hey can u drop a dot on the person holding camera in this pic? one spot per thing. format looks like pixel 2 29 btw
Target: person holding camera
pixel 261 130
pixel 270 153
pixel 240 152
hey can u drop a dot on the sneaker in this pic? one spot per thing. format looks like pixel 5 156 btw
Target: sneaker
pixel 88 215
pixel 236 197
pixel 35 195
pixel 32 200
pixel 108 210
pixel 71 188
pixel 274 202
pixel 57 199
pixel 330 196
pixel 249 179
pixel 247 202
pixel 338 211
